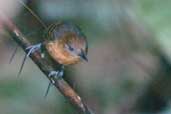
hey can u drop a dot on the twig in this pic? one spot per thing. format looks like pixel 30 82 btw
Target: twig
pixel 45 67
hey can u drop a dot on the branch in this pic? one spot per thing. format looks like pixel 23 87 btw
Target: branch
pixel 45 67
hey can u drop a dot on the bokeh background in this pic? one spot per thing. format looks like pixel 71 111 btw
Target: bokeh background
pixel 128 72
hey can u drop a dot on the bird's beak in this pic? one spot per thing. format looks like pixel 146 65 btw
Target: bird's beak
pixel 83 56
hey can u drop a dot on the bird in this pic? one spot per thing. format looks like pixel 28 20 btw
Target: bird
pixel 63 41
pixel 66 43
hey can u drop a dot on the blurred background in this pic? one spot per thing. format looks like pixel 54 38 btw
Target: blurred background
pixel 128 72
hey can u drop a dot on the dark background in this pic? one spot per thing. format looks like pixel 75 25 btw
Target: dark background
pixel 129 69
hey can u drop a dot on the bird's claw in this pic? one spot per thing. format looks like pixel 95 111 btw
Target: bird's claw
pixel 56 74
pixel 33 48
pixel 53 74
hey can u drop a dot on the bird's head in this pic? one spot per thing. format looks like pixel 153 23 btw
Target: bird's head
pixel 77 47
pixel 68 44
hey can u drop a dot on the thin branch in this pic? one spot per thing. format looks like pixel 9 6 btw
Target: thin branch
pixel 45 67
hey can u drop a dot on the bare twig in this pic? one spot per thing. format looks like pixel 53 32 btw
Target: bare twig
pixel 45 67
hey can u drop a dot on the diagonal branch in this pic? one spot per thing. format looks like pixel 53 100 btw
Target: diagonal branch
pixel 45 66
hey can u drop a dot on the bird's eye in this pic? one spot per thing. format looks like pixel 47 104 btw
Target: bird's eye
pixel 69 47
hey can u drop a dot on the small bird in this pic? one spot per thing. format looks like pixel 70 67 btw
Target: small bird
pixel 66 43
pixel 63 41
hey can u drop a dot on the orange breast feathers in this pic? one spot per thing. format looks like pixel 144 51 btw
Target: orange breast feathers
pixel 57 50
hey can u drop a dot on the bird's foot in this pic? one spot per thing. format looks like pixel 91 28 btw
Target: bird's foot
pixel 54 75
pixel 57 74
pixel 31 49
